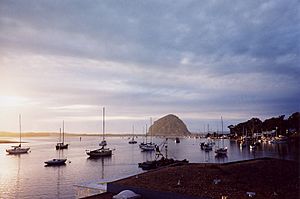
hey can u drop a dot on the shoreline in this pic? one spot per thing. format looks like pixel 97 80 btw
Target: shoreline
pixel 9 142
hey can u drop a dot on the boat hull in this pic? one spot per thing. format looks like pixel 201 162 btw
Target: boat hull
pixel 99 153
pixel 61 146
pixel 56 162
pixel 148 147
pixel 16 151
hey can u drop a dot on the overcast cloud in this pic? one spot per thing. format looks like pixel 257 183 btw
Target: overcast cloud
pixel 198 59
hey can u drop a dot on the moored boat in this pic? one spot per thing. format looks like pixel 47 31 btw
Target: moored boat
pixel 61 144
pixel 132 141
pixel 102 152
pixel 15 150
pixel 55 162
pixel 223 150
pixel 206 146
pixel 148 146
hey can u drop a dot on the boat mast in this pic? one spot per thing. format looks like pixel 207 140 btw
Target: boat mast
pixel 133 132
pixel 222 131
pixel 150 128
pixel 207 128
pixel 103 122
pixel 146 133
pixel 63 132
pixel 60 135
pixel 222 124
pixel 20 129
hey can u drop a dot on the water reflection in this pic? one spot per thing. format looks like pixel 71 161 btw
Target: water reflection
pixel 24 176
pixel 103 160
pixel 18 175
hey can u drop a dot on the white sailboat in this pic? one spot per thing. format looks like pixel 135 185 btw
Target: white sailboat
pixel 18 149
pixel 102 152
pixel 61 144
pixel 223 150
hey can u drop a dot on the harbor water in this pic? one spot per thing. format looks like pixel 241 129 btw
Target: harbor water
pixel 25 176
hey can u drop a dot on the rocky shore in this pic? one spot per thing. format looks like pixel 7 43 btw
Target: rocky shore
pixel 267 178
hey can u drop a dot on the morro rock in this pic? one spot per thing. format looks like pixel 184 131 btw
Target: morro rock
pixel 169 125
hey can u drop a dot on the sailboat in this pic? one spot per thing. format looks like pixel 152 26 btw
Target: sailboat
pixel 221 151
pixel 18 149
pixel 148 146
pixel 144 143
pixel 62 145
pixel 132 141
pixel 102 152
pixel 207 146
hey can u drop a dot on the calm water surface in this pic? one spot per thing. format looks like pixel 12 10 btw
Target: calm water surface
pixel 25 176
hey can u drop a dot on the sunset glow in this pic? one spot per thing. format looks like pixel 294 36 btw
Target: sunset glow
pixel 58 64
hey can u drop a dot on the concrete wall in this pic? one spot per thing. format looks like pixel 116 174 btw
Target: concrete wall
pixel 148 194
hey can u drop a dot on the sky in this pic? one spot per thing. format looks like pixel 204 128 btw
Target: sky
pixel 200 60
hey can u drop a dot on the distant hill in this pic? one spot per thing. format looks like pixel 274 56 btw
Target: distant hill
pixel 53 134
pixel 169 125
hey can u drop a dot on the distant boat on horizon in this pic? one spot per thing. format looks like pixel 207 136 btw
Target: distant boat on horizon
pixel 18 149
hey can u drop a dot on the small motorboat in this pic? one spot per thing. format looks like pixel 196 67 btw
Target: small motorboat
pixel 56 162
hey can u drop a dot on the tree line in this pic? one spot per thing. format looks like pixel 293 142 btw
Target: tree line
pixel 278 124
